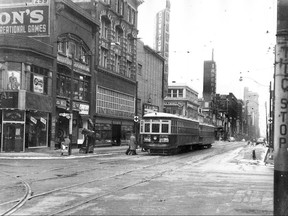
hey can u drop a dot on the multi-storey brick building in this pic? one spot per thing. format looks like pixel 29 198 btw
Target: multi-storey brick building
pixel 66 57
pixel 37 54
pixel 182 100
pixel 150 77
pixel 116 70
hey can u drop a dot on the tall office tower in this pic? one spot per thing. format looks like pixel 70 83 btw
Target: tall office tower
pixel 209 81
pixel 252 104
pixel 162 40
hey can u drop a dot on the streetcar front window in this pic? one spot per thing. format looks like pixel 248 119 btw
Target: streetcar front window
pixel 165 128
pixel 147 127
pixel 155 128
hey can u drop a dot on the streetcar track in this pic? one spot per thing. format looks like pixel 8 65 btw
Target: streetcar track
pixel 29 195
pixel 22 200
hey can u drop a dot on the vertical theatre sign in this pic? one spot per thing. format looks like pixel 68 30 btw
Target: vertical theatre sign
pixel 30 19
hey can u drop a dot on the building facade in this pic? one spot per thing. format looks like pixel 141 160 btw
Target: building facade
pixel 115 84
pixel 252 103
pixel 162 40
pixel 182 100
pixel 150 77
pixel 67 59
pixel 38 56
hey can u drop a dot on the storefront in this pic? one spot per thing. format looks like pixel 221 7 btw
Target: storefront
pixel 25 106
pixel 112 132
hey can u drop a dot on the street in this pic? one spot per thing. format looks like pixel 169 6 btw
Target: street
pixel 213 181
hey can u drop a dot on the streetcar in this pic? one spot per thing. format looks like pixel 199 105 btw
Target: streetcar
pixel 165 133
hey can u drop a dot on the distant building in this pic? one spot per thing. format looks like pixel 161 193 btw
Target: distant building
pixel 209 79
pixel 162 39
pixel 182 100
pixel 252 103
pixel 150 80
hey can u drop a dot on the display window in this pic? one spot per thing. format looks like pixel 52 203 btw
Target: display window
pixel 10 77
pixel 36 129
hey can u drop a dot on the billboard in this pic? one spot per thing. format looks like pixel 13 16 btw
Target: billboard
pixel 25 19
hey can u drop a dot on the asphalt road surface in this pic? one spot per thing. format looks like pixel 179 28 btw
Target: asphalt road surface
pixel 211 181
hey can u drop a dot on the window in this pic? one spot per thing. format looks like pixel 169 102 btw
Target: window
pixel 131 15
pixel 120 7
pixel 117 63
pixel 165 128
pixel 105 26
pixel 119 34
pixel 80 85
pixel 39 80
pixel 103 57
pixel 174 93
pixel 140 69
pixel 130 45
pixel 129 68
pixel 155 128
pixel 62 47
pixel 115 103
pixel 180 93
pixel 72 49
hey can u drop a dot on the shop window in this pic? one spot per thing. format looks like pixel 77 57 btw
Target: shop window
pixel 36 129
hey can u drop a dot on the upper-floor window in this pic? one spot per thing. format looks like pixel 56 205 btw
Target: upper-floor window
pixel 103 57
pixel 174 93
pixel 119 34
pixel 117 63
pixel 139 69
pixel 105 26
pixel 129 68
pixel 120 6
pixel 73 47
pixel 79 87
pixel 131 15
pixel 130 44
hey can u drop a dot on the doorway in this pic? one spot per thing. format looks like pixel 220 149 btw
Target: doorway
pixel 13 137
pixel 116 134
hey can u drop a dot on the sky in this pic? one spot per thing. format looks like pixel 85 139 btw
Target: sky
pixel 242 34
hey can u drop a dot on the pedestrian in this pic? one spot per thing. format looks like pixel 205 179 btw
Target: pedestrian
pixel 65 145
pixel 132 145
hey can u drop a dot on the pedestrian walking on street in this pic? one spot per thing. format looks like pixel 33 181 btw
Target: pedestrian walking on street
pixel 132 145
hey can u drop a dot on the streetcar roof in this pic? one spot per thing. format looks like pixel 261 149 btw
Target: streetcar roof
pixel 166 115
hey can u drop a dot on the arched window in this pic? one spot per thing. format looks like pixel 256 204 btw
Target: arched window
pixel 118 34
pixel 105 26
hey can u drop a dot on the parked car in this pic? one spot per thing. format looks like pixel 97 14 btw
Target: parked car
pixel 260 140
pixel 231 139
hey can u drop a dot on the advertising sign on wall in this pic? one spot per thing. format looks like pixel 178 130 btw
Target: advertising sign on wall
pixel 29 20
pixel 38 84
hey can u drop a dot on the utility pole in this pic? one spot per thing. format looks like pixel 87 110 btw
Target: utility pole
pixel 71 106
pixel 281 112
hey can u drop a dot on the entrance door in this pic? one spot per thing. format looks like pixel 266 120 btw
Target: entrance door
pixel 13 134
pixel 116 134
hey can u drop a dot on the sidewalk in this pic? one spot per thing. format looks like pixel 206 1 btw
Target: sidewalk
pixel 47 153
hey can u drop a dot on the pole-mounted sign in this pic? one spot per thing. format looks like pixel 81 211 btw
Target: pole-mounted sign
pixel 281 112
